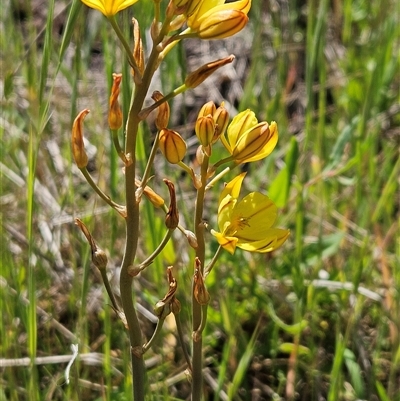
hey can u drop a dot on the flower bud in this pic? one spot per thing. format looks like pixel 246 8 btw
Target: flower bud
pixel 99 257
pixel 198 76
pixel 191 237
pixel 152 196
pixel 256 143
pixel 205 128
pixel 172 145
pixel 222 24
pixel 180 3
pixel 78 148
pixel 172 216
pixel 115 112
pixel 162 309
pixel 162 111
pixel 206 109
pixel 221 119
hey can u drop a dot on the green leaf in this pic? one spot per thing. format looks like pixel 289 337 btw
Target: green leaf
pixel 280 186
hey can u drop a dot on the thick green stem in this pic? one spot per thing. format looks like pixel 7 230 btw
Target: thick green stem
pixel 132 227
pixel 197 356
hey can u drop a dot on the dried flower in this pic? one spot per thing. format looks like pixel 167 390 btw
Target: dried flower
pixel 115 112
pixel 78 148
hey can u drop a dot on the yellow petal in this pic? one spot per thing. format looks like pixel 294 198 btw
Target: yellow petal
pixel 239 125
pixel 225 209
pixel 257 213
pixel 228 243
pixel 256 143
pixel 109 7
pixel 232 188
pixel 274 240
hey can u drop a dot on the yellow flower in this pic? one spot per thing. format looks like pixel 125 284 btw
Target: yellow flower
pixel 248 140
pixel 109 7
pixel 247 224
pixel 212 19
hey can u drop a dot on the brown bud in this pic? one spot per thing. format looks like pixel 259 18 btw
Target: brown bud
pixel 221 119
pixel 191 237
pixel 172 217
pixel 162 111
pixel 199 289
pixel 152 196
pixel 115 112
pixel 78 148
pixel 99 257
pixel 198 76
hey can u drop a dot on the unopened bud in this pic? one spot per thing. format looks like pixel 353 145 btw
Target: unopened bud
pixel 191 237
pixel 99 257
pixel 222 24
pixel 198 76
pixel 221 119
pixel 115 112
pixel 172 216
pixel 172 145
pixel 256 143
pixel 162 111
pixel 152 196
pixel 78 148
pixel 205 128
pixel 162 309
pixel 206 109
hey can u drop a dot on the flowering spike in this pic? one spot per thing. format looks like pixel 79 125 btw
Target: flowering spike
pixel 78 148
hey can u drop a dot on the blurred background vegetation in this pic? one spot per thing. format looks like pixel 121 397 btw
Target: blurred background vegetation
pixel 318 319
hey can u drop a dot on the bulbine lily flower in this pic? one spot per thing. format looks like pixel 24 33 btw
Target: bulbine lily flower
pixel 248 140
pixel 109 7
pixel 247 224
pixel 213 19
